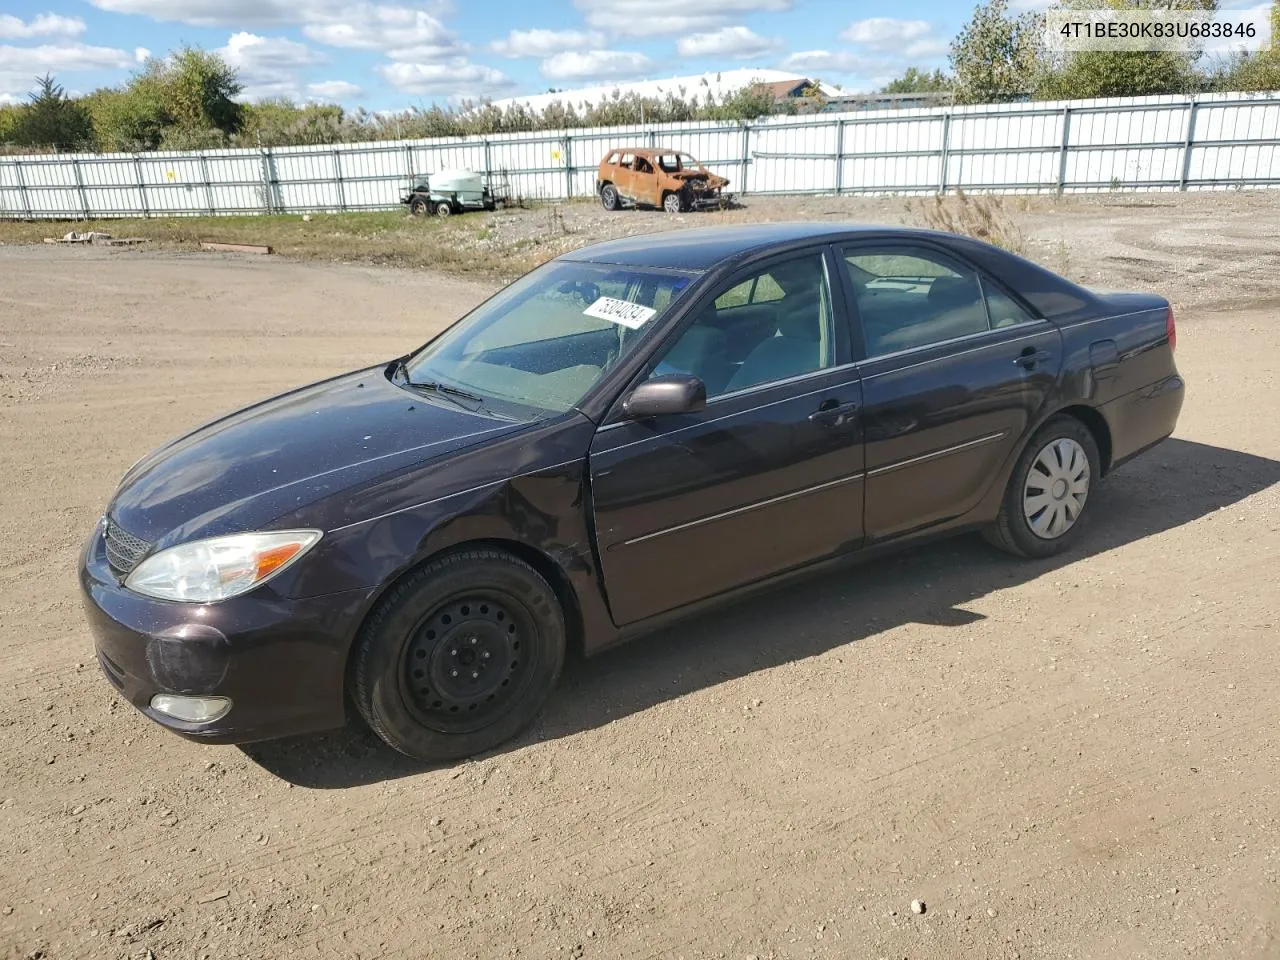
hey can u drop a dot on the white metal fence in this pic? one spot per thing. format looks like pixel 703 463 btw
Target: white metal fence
pixel 1147 143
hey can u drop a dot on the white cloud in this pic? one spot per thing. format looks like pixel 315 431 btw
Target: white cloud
pixel 884 32
pixel 416 34
pixel 667 17
pixel 256 13
pixel 20 65
pixel 827 61
pixel 457 79
pixel 545 43
pixel 334 90
pixel 736 42
pixel 896 39
pixel 595 64
pixel 62 58
pixel 141 54
pixel 43 25
pixel 268 66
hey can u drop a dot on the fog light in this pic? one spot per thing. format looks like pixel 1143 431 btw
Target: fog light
pixel 191 709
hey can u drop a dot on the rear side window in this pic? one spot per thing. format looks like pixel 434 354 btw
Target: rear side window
pixel 912 297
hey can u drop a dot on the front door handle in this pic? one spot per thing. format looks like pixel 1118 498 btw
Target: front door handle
pixel 1031 356
pixel 833 413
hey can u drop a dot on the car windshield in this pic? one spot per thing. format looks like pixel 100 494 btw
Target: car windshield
pixel 675 162
pixel 540 345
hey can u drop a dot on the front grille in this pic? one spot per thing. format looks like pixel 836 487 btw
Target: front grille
pixel 124 550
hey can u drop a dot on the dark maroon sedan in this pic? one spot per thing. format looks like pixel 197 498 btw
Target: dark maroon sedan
pixel 625 435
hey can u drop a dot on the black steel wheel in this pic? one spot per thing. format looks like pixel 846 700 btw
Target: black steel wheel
pixel 418 207
pixel 609 197
pixel 459 656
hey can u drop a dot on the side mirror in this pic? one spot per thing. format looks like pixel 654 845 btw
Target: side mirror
pixel 665 395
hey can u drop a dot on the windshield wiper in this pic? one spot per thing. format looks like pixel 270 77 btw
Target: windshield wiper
pixel 455 394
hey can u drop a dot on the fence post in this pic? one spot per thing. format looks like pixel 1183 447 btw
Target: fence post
pixel 945 154
pixel 22 189
pixel 337 177
pixel 1066 147
pixel 266 178
pixel 141 185
pixel 746 156
pixel 1188 143
pixel 208 184
pixel 488 161
pixel 568 167
pixel 839 156
pixel 84 198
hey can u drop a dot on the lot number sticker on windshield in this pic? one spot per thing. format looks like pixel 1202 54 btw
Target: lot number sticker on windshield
pixel 631 315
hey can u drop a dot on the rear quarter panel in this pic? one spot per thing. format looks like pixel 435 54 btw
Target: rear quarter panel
pixel 1122 364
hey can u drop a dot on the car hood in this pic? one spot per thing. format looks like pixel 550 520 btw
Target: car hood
pixel 246 469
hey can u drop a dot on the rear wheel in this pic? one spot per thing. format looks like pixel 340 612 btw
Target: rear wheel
pixel 1044 505
pixel 444 209
pixel 673 203
pixel 609 197
pixel 460 656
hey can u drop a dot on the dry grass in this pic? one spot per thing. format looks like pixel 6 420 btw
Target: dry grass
pixel 469 245
pixel 984 218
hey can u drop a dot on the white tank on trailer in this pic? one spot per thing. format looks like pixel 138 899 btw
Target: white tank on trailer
pixel 468 185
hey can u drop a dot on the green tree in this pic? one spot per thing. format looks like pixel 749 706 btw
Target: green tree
pixel 1121 73
pixel 918 81
pixel 994 57
pixel 1252 72
pixel 199 89
pixel 51 118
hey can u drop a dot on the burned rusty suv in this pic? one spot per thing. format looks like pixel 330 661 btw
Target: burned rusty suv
pixel 668 179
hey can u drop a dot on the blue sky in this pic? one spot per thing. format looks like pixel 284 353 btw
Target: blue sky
pixel 392 55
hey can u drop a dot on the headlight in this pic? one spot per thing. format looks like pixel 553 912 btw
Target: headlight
pixel 206 570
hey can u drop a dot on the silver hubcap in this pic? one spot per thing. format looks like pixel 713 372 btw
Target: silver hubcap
pixel 1057 487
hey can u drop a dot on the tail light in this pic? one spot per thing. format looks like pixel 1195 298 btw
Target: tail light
pixel 1171 329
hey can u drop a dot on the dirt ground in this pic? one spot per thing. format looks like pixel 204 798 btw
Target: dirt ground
pixel 1071 758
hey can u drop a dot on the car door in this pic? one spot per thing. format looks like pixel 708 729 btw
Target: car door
pixel 766 477
pixel 624 176
pixel 954 370
pixel 645 186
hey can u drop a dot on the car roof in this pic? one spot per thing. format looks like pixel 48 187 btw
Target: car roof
pixel 649 151
pixel 705 247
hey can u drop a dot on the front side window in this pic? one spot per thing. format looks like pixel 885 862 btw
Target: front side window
pixel 539 346
pixel 771 325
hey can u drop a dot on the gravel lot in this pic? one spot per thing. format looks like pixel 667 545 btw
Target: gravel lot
pixel 1073 758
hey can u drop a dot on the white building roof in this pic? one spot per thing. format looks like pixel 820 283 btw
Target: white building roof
pixel 718 84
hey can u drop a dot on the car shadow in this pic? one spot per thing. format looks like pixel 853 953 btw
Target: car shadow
pixel 1173 484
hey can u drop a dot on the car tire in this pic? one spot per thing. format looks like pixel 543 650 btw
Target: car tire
pixel 609 197
pixel 673 203
pixel 459 656
pixel 444 209
pixel 1044 506
pixel 418 207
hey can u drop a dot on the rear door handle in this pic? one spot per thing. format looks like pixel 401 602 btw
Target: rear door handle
pixel 1031 356
pixel 833 413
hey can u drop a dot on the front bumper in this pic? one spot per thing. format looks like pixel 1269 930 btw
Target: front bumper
pixel 281 661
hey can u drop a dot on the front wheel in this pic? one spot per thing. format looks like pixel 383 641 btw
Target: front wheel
pixel 444 209
pixel 673 203
pixel 460 656
pixel 1044 505
pixel 418 206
